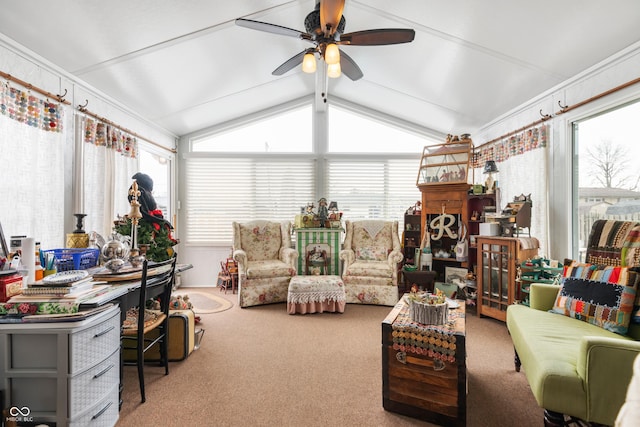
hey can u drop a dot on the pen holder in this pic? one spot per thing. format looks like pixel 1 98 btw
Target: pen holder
pixel 49 272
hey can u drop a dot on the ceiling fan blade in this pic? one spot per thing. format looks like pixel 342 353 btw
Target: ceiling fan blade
pixel 349 67
pixel 330 15
pixel 289 64
pixel 272 28
pixel 378 37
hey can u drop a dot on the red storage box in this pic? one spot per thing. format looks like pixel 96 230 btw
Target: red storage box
pixel 9 286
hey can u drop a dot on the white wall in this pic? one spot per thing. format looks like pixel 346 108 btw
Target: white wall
pixel 615 71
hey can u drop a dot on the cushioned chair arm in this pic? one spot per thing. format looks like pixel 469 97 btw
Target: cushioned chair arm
pixel 240 257
pixel 606 366
pixel 395 257
pixel 289 256
pixel 542 296
pixel 348 256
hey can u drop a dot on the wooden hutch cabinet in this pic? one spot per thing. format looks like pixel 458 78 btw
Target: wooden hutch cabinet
pixel 442 180
pixel 498 258
pixel 450 199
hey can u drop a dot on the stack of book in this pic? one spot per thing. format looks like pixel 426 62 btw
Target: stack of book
pixel 54 295
pixel 66 289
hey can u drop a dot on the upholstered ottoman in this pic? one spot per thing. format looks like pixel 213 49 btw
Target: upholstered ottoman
pixel 316 294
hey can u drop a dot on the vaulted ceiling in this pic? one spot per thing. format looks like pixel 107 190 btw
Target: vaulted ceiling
pixel 186 66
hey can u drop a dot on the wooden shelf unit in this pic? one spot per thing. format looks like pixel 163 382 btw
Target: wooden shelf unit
pixel 411 237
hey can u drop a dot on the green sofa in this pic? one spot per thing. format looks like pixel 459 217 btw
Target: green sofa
pixel 574 368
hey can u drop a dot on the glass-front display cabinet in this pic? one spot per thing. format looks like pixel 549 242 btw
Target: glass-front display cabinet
pixel 446 163
pixel 496 276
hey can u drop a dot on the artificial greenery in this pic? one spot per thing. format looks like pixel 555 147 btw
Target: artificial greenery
pixel 157 236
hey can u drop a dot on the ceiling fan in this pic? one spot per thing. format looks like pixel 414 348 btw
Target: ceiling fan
pixel 325 30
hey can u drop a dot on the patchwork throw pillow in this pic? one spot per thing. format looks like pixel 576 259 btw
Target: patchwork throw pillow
pixel 372 254
pixel 601 295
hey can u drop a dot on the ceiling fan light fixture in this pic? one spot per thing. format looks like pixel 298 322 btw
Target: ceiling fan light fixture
pixel 332 54
pixel 309 63
pixel 333 70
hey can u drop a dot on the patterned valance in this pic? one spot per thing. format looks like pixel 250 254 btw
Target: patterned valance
pixel 103 134
pixel 513 146
pixel 29 109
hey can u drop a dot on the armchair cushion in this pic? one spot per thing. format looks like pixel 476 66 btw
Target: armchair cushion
pixel 372 253
pixel 261 240
pixel 370 269
pixel 267 268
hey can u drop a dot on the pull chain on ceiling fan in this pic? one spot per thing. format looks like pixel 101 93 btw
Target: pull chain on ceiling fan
pixel 325 30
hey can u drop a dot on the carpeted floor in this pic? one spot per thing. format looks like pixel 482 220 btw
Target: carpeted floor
pixel 261 366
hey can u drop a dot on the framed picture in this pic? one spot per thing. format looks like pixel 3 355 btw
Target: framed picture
pixel 453 273
pixel 317 258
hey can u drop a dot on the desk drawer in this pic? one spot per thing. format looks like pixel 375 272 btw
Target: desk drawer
pixel 103 414
pixel 94 344
pixel 88 388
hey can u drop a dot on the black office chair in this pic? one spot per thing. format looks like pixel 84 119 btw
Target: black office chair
pixel 135 334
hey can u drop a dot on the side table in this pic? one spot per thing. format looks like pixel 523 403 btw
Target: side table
pixel 319 239
pixel 316 294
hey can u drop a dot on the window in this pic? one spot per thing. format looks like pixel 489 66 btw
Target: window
pixel 287 132
pixel 222 190
pixel 350 132
pixel 376 189
pixel 271 168
pixel 606 179
pixel 158 167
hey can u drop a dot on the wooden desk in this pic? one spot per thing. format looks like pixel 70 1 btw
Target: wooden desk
pixel 57 348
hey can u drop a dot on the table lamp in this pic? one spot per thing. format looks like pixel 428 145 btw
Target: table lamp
pixel 490 168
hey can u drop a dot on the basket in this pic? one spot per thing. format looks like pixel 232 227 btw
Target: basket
pixel 74 259
pixel 429 314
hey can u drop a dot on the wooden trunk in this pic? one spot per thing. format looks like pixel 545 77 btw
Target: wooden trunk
pixel 421 386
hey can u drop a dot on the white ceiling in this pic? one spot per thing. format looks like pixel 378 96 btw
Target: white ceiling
pixel 186 66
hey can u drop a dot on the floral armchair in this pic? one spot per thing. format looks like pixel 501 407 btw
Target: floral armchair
pixel 266 261
pixel 371 253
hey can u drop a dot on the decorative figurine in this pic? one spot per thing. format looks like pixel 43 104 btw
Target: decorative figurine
pixel 153 233
pixel 323 211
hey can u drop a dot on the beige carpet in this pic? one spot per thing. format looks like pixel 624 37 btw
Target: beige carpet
pixel 260 366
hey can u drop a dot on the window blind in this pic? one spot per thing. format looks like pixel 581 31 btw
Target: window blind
pixel 219 191
pixel 373 189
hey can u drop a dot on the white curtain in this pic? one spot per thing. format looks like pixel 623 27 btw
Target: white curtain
pixel 522 162
pixel 32 189
pixel 107 177
pixel 527 174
